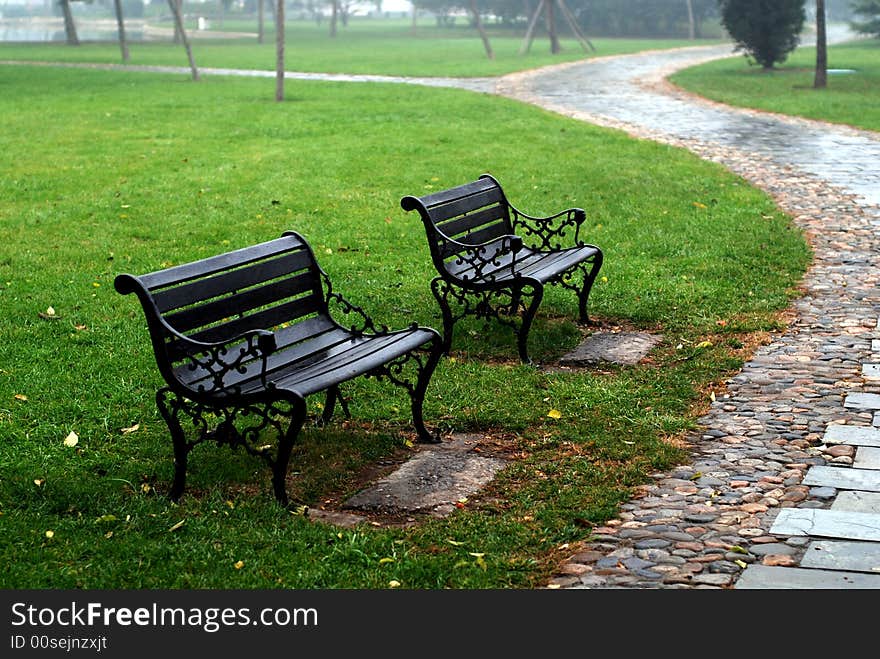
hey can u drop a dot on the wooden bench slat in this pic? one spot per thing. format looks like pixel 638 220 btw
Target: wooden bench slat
pixel 465 203
pixel 358 357
pixel 462 225
pixel 234 259
pixel 296 342
pixel 265 319
pixel 251 274
pixel 443 196
pixel 301 286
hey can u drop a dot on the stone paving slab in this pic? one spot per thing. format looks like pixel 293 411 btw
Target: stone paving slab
pixel 843 478
pixel 843 555
pixel 836 433
pixel 871 371
pixel 857 502
pixel 617 347
pixel 433 481
pixel 867 457
pixel 862 401
pixel 827 524
pixel 768 577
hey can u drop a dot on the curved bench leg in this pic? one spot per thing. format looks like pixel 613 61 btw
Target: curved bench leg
pixel 417 394
pixel 441 290
pixel 586 287
pixel 522 334
pixel 333 395
pixel 169 410
pixel 285 446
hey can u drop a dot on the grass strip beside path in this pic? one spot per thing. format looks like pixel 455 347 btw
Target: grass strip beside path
pixel 849 98
pixel 385 48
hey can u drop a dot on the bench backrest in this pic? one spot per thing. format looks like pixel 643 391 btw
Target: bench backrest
pixel 471 214
pixel 221 297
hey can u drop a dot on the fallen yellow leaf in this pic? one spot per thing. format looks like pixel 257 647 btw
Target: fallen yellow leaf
pixel 554 414
pixel 125 431
pixel 20 397
pixel 71 440
pixel 239 565
pixel 394 583
pixel 50 534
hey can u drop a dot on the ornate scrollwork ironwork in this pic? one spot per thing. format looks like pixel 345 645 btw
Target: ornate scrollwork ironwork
pixel 233 426
pixel 346 308
pixel 502 305
pixel 551 232
pixel 217 361
pixel 482 261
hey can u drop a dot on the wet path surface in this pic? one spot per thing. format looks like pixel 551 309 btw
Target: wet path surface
pixel 628 92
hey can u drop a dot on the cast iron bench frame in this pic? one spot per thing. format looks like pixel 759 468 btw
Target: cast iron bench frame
pixel 491 257
pixel 242 338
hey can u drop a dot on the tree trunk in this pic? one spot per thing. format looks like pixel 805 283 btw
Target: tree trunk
pixel 69 25
pixel 178 29
pixel 120 22
pixel 414 14
pixel 530 31
pixel 481 30
pixel 260 27
pixel 279 51
pixel 334 14
pixel 821 79
pixel 692 29
pixel 177 12
pixel 550 15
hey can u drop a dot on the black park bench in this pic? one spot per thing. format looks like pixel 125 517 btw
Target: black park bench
pixel 242 338
pixel 493 261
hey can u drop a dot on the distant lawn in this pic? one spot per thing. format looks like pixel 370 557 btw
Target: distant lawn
pixel 363 47
pixel 850 98
pixel 106 172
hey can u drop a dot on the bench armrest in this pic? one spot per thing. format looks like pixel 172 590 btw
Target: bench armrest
pixel 550 232
pixel 482 261
pixel 364 323
pixel 217 359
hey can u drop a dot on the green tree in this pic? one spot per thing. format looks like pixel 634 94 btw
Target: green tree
pixel 870 10
pixel 765 30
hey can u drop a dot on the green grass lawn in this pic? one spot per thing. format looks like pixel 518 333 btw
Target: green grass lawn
pixel 387 48
pixel 108 172
pixel 849 98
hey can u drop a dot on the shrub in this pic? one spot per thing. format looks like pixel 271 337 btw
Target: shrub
pixel 766 30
